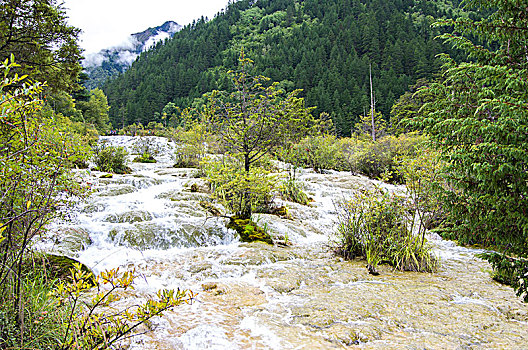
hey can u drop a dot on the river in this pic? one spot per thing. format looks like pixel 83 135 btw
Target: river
pixel 257 296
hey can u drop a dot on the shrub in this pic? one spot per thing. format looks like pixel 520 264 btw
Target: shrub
pixel 376 226
pixel 193 145
pixel 92 323
pixel 43 321
pixel 144 158
pixel 290 189
pixel 506 270
pixel 111 159
pixel 241 192
pixel 422 176
pixel 317 152
pixel 35 185
pixel 378 159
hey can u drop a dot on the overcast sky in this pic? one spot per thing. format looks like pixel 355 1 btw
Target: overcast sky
pixel 108 22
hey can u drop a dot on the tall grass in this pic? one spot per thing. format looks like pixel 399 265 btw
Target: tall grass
pixel 377 227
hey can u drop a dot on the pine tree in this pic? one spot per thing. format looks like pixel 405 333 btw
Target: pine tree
pixel 478 118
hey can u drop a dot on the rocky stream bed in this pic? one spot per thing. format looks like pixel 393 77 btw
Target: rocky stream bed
pixel 257 296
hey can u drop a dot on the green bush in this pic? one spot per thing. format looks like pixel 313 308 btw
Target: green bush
pixel 193 144
pixel 42 319
pixel 318 152
pixel 241 192
pixel 290 189
pixel 506 270
pixel 378 159
pixel 111 159
pixel 376 226
pixel 145 158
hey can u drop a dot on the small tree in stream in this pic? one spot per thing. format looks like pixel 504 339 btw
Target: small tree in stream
pixel 256 118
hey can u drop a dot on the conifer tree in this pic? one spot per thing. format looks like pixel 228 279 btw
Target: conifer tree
pixel 478 117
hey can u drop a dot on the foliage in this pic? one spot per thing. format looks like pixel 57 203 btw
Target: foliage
pixel 249 231
pixel 95 111
pixel 95 324
pixel 35 182
pixel 256 119
pixel 507 271
pixel 318 152
pixel 407 107
pixel 290 189
pixel 45 45
pixel 42 319
pixel 371 125
pixel 194 143
pixel 239 189
pixel 111 159
pixel 252 122
pixel 379 159
pixel 422 177
pixel 477 118
pixel 323 47
pixel 376 226
pixel 144 158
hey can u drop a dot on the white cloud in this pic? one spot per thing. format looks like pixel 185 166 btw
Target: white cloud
pixel 154 39
pixel 106 22
pixel 127 57
pixel 93 60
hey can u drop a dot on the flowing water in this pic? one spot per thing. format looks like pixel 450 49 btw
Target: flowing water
pixel 257 296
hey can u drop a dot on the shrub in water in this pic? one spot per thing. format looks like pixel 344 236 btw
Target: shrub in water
pixel 145 158
pixel 111 159
pixel 375 226
pixel 241 192
pixel 292 190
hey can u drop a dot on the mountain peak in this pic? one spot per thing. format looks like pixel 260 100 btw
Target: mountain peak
pixel 116 59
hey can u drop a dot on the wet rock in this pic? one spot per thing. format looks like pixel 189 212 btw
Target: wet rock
pixel 117 191
pixel 209 286
pixel 60 266
pixel 200 267
pixel 260 253
pixel 210 208
pixel 177 195
pixel 145 235
pixel 198 185
pixel 69 240
pixel 93 208
pixel 129 217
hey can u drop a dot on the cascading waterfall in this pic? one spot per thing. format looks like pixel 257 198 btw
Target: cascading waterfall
pixel 256 296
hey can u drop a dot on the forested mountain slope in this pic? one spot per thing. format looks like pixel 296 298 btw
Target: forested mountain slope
pixel 324 47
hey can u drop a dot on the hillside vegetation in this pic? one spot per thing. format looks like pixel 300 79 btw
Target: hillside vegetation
pixel 322 47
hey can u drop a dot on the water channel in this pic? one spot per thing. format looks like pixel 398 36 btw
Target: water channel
pixel 257 296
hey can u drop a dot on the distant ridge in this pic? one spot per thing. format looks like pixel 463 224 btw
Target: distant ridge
pixel 109 62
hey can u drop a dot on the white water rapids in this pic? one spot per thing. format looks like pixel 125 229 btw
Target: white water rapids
pixel 256 296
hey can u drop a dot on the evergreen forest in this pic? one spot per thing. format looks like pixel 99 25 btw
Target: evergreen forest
pixel 326 48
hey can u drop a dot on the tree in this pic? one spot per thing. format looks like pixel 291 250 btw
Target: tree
pixel 372 125
pixel 408 106
pixel 95 111
pixel 477 117
pixel 255 119
pixel 35 184
pixel 45 46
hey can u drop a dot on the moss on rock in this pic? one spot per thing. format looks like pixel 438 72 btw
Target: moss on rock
pixel 248 230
